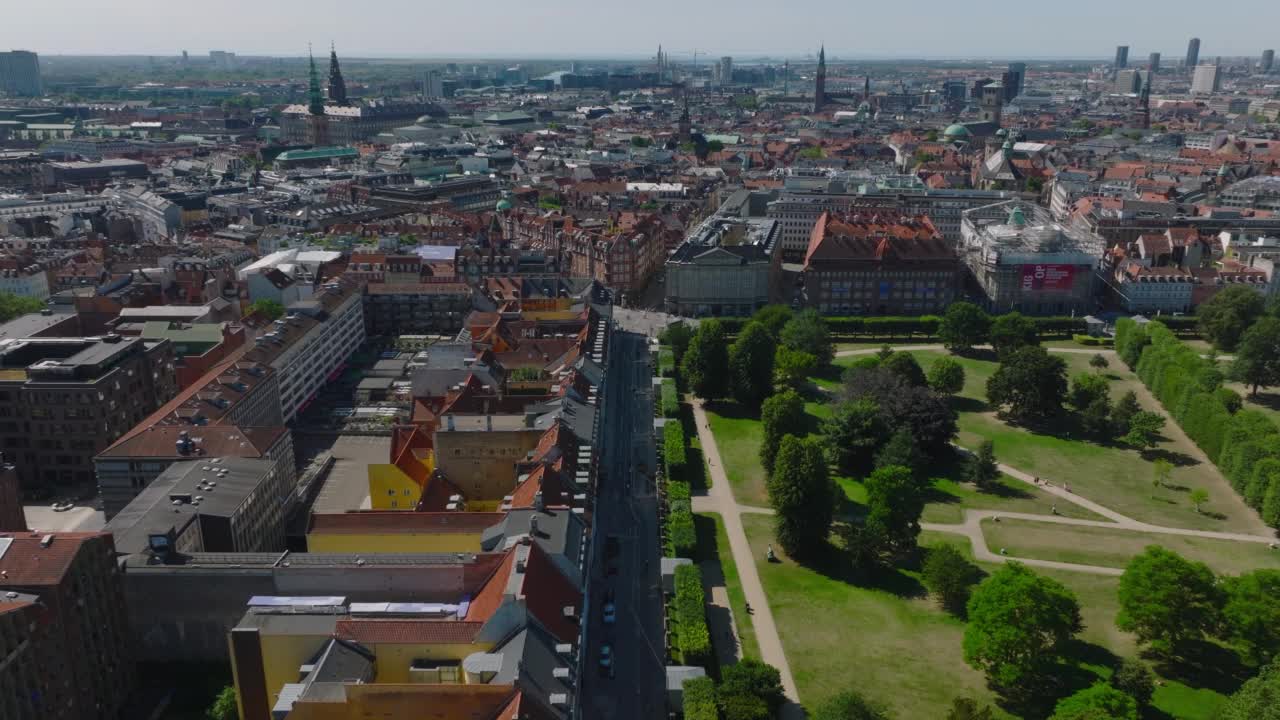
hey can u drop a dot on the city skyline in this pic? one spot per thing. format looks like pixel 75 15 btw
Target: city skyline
pixel 937 30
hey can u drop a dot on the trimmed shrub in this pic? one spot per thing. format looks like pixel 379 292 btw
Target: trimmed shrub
pixel 700 699
pixel 669 400
pixel 666 361
pixel 673 449
pixel 693 639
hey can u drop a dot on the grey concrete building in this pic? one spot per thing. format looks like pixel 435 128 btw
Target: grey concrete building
pixel 727 266
pixel 20 73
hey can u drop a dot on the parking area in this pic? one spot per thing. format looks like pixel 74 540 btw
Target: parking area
pixel 81 518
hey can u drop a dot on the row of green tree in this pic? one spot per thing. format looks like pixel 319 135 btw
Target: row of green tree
pixel 12 306
pixel 748 690
pixel 1244 444
pixel 681 536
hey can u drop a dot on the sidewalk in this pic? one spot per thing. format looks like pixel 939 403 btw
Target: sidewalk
pixel 720 500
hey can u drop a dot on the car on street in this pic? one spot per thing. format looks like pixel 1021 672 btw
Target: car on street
pixel 606 660
pixel 610 609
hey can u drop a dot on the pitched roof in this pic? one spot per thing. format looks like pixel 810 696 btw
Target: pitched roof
pixel 25 562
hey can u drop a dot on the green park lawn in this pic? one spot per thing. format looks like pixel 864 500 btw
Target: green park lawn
pixel 1117 476
pixel 896 646
pixel 951 497
pixel 713 545
pixel 1113 547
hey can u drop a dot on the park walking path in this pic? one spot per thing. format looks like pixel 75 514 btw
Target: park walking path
pixel 720 500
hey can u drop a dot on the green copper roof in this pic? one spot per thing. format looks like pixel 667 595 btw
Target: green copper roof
pixel 317 153
pixel 955 131
pixel 503 204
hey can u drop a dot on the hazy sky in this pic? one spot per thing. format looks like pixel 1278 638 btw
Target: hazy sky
pixel 596 28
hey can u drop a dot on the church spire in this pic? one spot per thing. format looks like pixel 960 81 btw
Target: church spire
pixel 315 101
pixel 820 82
pixel 337 86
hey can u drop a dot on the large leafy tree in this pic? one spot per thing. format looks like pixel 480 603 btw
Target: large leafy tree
pixel 1086 388
pixel 1252 613
pixel 1224 317
pixel 1019 623
pixel 902 451
pixel 1144 429
pixel 807 332
pixel 752 678
pixel 963 326
pixel 981 468
pixel 792 367
pixel 895 501
pixel 268 308
pixel 849 705
pixel 905 365
pixel 802 496
pixel 925 413
pixel 854 431
pixel 946 376
pixel 1099 702
pixel 1029 384
pixel 774 318
pixel 751 365
pixel 1012 331
pixel 1167 600
pixel 781 414
pixel 1257 699
pixel 1125 408
pixel 678 335
pixel 949 576
pixel 1257 362
pixel 1135 679
pixel 11 306
pixel 224 706
pixel 705 362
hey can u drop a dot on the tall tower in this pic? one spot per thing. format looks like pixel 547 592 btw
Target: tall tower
pixel 1153 62
pixel 820 83
pixel 786 76
pixel 1268 60
pixel 337 86
pixel 317 124
pixel 866 88
pixel 992 102
pixel 686 123
pixel 1145 103
pixel 1122 57
pixel 1193 54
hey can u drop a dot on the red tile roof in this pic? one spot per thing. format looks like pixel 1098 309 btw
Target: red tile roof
pixel 489 599
pixel 435 632
pixel 27 564
pixel 547 592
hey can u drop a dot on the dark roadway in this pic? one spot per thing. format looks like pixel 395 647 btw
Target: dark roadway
pixel 626 508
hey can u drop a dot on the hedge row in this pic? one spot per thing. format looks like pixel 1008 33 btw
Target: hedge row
pixel 673 449
pixel 682 536
pixel 1245 445
pixel 669 400
pixel 693 639
pixel 666 361
pixel 700 699
pixel 924 326
pixel 1092 340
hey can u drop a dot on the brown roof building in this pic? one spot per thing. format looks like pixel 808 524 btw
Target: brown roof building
pixel 867 263
pixel 79 644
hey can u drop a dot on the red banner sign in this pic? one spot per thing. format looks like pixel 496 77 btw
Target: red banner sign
pixel 1048 277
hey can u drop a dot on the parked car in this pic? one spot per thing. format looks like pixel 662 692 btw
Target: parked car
pixel 606 660
pixel 610 609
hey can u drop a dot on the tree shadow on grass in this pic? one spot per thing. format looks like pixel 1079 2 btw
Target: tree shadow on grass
pixel 732 410
pixel 1202 664
pixel 1176 459
pixel 962 404
pixel 1073 674
pixel 1271 401
pixel 834 563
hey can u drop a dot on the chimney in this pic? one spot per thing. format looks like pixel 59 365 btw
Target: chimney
pixel 533 525
pixel 538 503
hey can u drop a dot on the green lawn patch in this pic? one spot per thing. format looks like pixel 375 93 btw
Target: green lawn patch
pixel 1113 547
pixel 738 434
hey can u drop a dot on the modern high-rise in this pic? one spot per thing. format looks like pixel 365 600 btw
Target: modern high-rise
pixel 1193 53
pixel 19 73
pixel 1122 57
pixel 1127 82
pixel 726 70
pixel 1153 62
pixel 1014 80
pixel 1206 80
pixel 1268 59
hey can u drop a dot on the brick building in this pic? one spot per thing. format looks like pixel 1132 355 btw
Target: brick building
pixel 75 658
pixel 865 263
